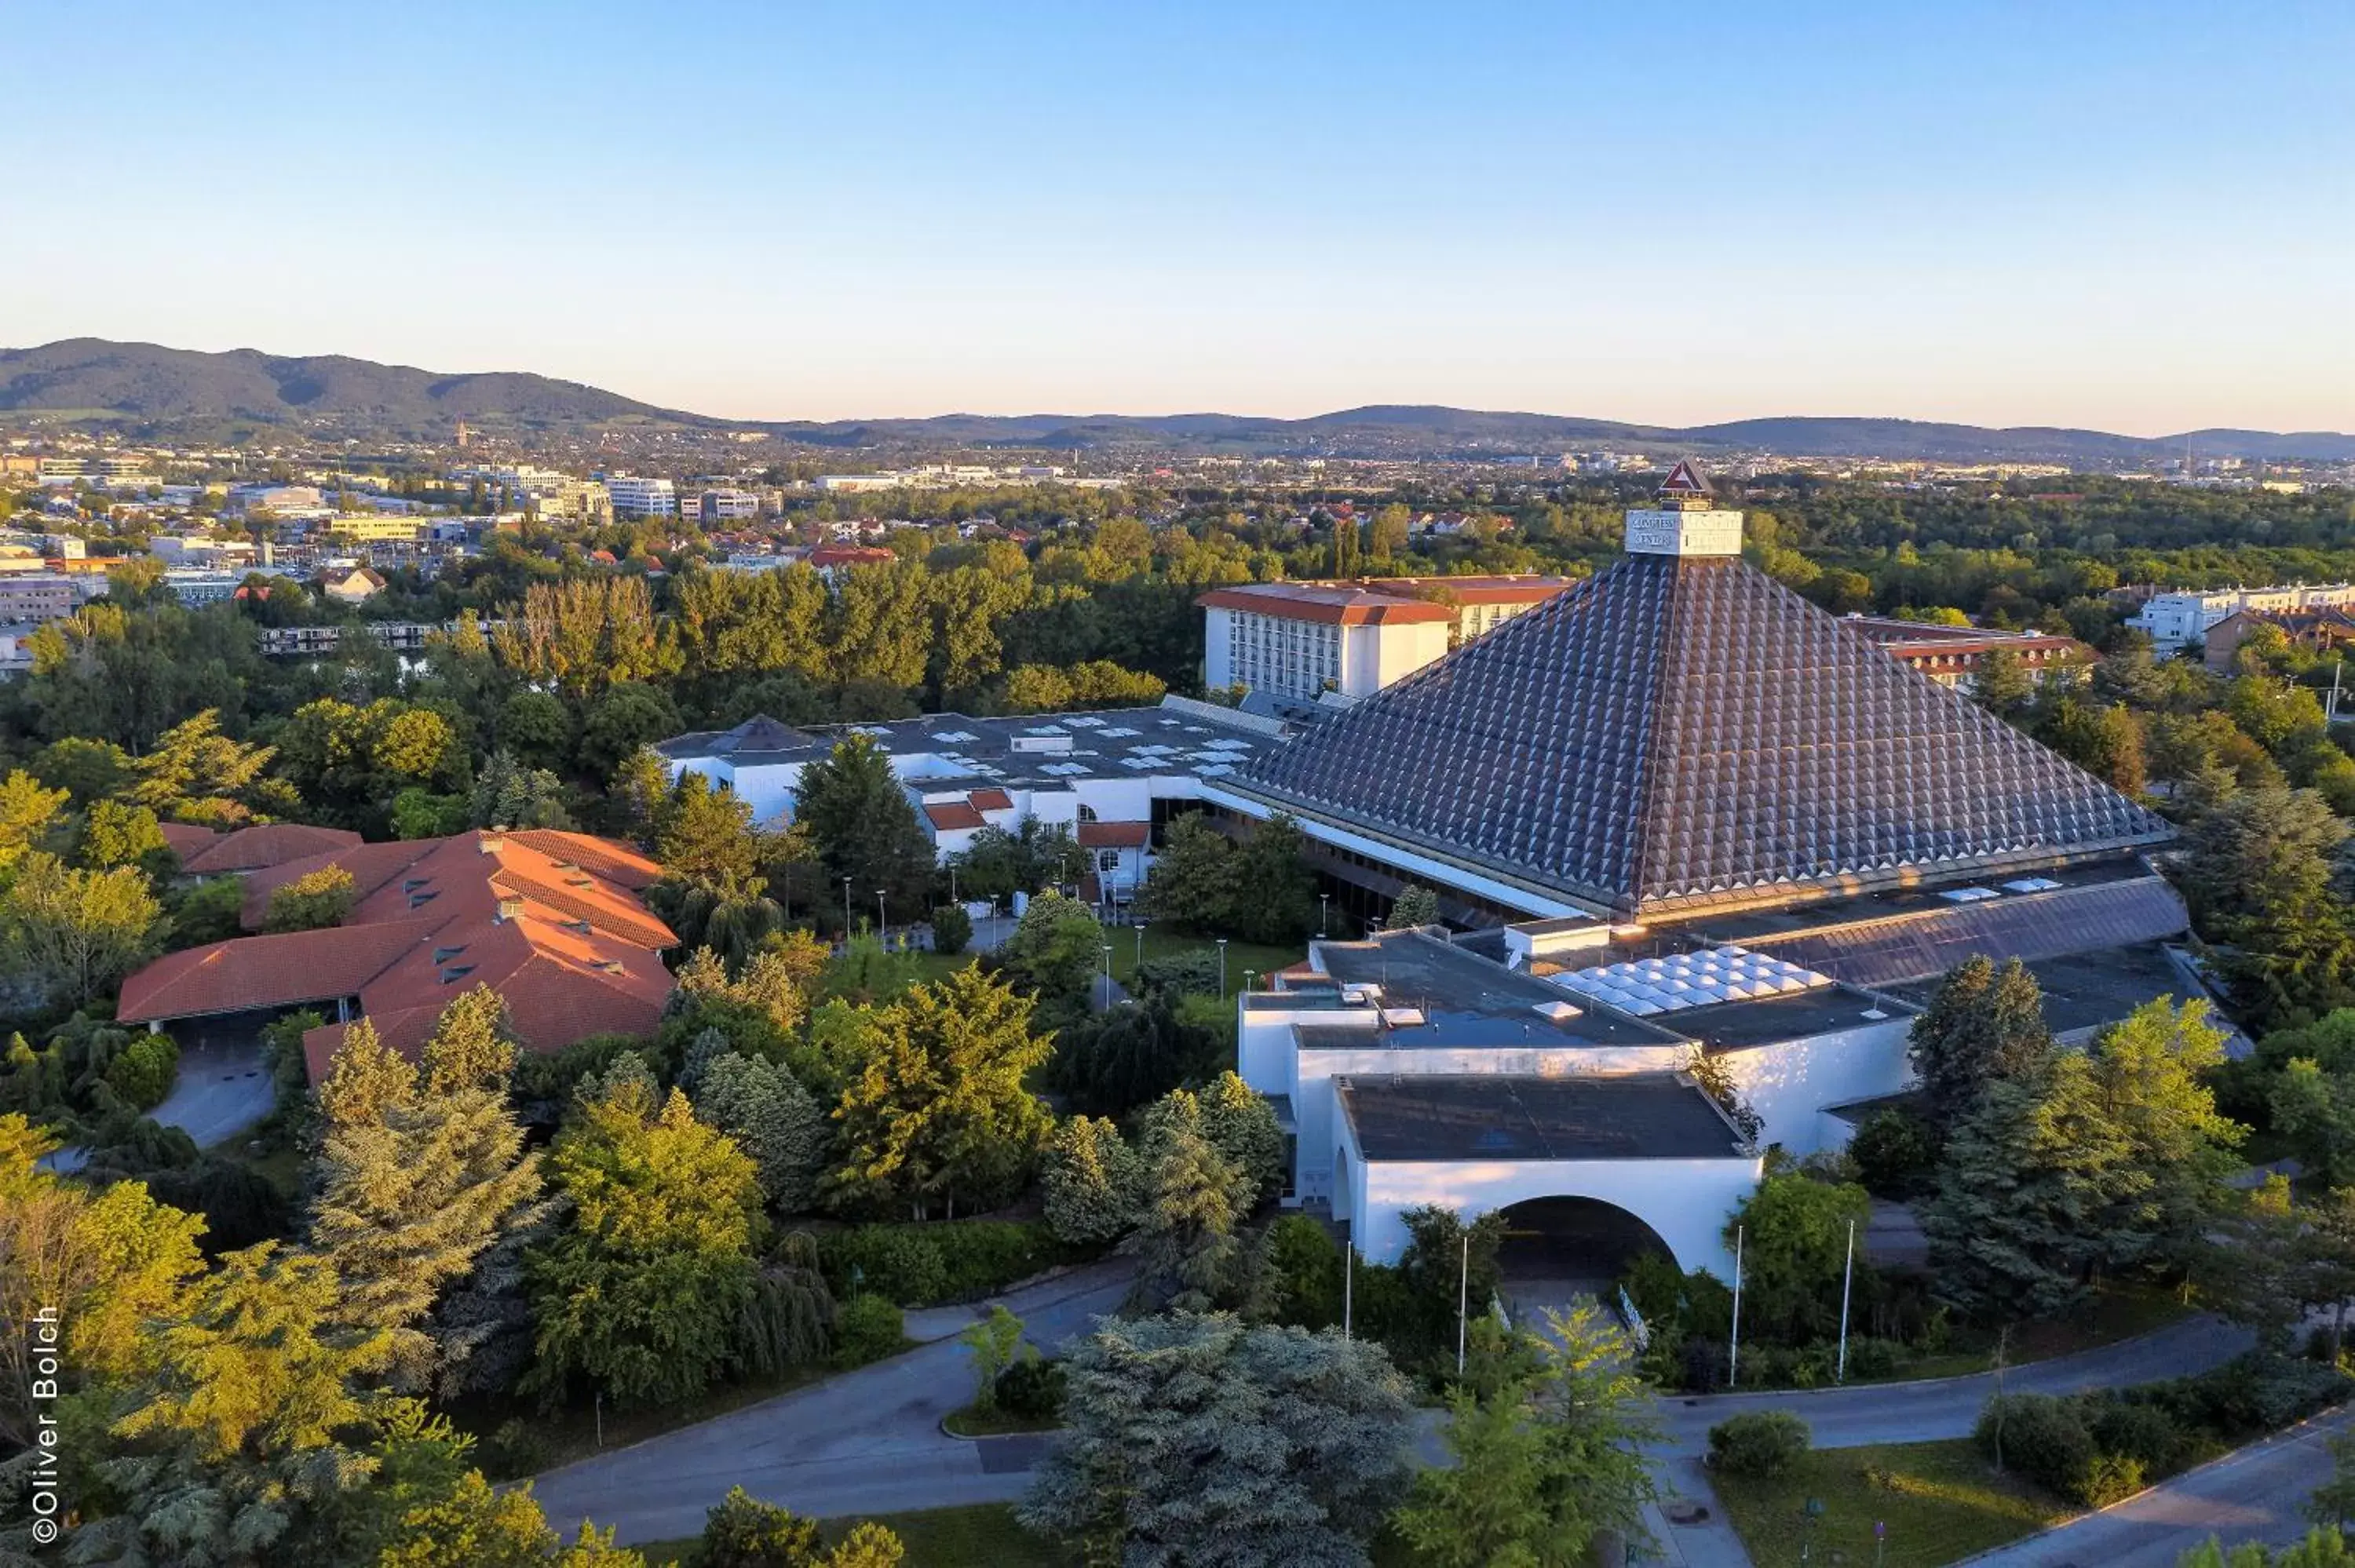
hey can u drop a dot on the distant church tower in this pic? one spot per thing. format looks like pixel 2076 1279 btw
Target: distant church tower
pixel 465 436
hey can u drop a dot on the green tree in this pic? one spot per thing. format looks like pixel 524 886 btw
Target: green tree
pixel 2001 685
pixel 312 901
pixel 744 1532
pixel 1192 1199
pixel 1191 883
pixel 74 934
pixel 2257 877
pixel 1194 1440
pixel 508 794
pixel 864 827
pixel 1795 1234
pixel 1275 895
pixel 938 1109
pixel 1546 1463
pixel 27 814
pixel 642 1292
pixel 413 1193
pixel 108 1264
pixel 772 1118
pixel 113 834
pixel 1983 1024
pixel 1243 1125
pixel 241 1431
pixel 623 717
pixel 2151 1071
pixel 1056 949
pixel 992 1344
pixel 197 774
pixel 1090 1182
pixel 1415 905
pixel 2032 1182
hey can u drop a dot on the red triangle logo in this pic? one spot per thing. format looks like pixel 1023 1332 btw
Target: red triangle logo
pixel 1685 480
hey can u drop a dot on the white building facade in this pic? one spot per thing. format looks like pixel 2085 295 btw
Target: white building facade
pixel 2174 618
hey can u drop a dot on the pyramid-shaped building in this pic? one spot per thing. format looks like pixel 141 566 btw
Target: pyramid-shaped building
pixel 1682 734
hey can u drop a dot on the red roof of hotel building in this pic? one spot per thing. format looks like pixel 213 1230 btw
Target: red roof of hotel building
pixel 1499 589
pixel 991 800
pixel 1114 835
pixel 268 844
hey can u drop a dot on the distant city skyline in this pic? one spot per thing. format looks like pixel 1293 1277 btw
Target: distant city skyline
pixel 2130 218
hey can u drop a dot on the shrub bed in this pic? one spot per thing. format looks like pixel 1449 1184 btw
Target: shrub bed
pixel 2097 1448
pixel 933 1264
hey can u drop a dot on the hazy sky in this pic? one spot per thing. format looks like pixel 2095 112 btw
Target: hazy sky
pixel 2140 217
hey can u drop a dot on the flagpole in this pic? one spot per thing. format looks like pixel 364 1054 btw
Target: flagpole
pixel 1847 1281
pixel 1733 1352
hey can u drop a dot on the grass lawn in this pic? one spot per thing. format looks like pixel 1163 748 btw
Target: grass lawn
pixel 1161 943
pixel 1939 1501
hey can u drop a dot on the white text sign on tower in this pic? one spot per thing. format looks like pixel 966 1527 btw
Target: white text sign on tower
pixel 1681 533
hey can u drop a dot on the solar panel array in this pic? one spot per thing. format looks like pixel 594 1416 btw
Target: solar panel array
pixel 1678 734
pixel 1647 986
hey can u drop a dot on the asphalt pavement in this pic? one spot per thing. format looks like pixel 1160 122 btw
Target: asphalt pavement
pixel 2249 1494
pixel 866 1442
pixel 223 1087
pixel 870 1440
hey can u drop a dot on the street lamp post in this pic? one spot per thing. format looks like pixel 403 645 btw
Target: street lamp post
pixel 1222 968
pixel 1140 944
pixel 1324 912
pixel 846 911
pixel 882 927
pixel 1107 967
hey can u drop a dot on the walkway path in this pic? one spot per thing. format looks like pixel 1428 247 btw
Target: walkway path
pixel 2251 1494
pixel 223 1088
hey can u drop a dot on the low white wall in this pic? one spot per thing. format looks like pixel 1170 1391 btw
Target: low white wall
pixel 1789 1083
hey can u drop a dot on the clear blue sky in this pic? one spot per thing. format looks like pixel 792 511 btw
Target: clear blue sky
pixel 2134 215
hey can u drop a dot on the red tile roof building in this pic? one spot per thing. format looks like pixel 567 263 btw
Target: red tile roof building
pixel 260 847
pixel 550 920
pixel 1301 639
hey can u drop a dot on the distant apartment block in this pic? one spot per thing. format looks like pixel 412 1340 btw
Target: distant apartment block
pixel 728 505
pixel 367 528
pixel 32 600
pixel 1303 639
pixel 641 497
pixel 2177 618
pixel 1951 655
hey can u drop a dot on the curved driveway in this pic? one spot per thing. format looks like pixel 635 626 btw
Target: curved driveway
pixel 870 1440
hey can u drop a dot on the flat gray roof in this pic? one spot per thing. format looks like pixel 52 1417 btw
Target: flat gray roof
pixel 1434 1117
pixel 1113 743
pixel 1466 998
pixel 2083 991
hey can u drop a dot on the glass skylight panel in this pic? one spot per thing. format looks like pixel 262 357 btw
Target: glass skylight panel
pixel 1082 721
pixel 1121 732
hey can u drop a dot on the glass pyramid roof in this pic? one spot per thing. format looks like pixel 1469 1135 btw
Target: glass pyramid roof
pixel 1686 733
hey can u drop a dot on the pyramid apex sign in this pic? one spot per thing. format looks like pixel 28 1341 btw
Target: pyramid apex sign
pixel 1686 478
pixel 1684 524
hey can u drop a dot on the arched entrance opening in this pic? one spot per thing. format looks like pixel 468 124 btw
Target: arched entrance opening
pixel 1562 1247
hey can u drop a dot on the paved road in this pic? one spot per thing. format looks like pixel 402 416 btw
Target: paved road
pixel 223 1087
pixel 866 1442
pixel 2252 1494
pixel 870 1440
pixel 1949 1408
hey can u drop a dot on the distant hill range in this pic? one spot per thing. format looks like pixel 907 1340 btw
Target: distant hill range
pixel 161 391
